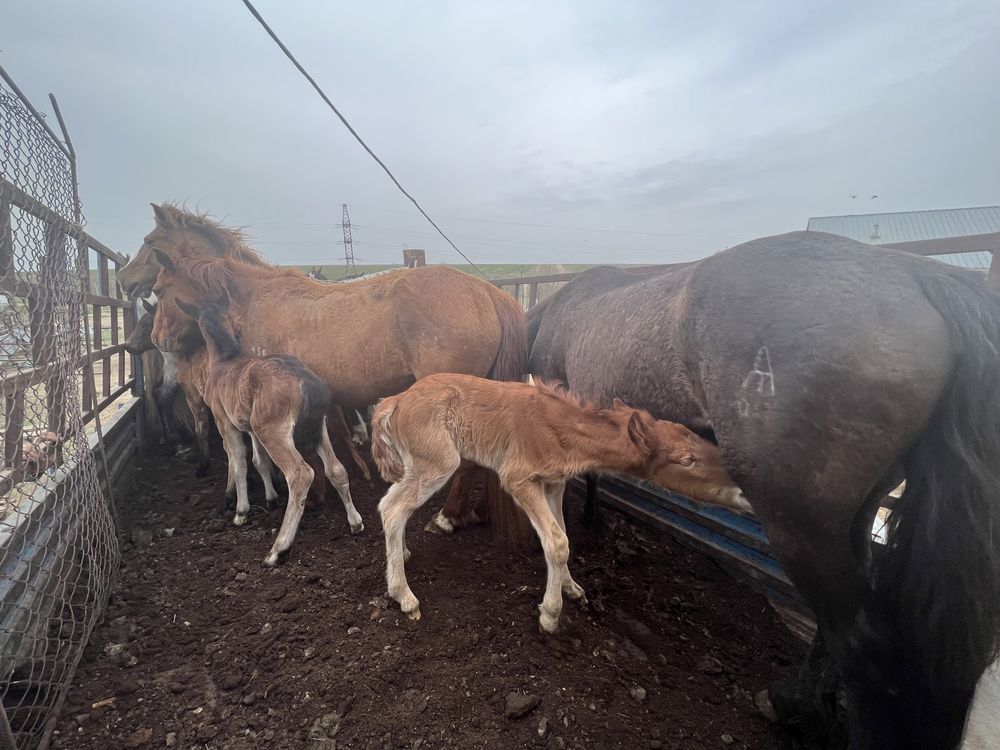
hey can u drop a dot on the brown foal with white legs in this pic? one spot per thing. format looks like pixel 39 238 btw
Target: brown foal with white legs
pixel 535 438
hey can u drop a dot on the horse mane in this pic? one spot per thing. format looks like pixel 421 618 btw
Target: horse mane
pixel 216 275
pixel 232 239
pixel 589 408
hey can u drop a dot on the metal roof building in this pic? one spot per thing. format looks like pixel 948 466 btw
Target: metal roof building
pixel 960 236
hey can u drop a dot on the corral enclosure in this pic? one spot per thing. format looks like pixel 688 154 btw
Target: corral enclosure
pixel 669 643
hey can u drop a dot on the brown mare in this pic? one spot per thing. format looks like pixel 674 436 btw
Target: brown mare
pixel 283 407
pixel 829 370
pixel 535 438
pixel 367 339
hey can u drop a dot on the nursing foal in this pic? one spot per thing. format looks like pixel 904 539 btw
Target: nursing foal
pixel 283 406
pixel 535 438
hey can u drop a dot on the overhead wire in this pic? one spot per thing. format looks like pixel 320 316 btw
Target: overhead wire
pixel 353 132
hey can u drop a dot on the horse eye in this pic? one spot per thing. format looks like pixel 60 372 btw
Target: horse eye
pixel 157 291
pixel 686 461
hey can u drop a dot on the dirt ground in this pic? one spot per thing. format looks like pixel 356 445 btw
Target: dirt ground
pixel 204 647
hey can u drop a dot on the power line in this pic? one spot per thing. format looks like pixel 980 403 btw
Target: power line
pixel 364 145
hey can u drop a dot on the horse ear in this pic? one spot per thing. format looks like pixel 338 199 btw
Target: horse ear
pixel 618 404
pixel 164 260
pixel 148 307
pixel 192 311
pixel 162 219
pixel 640 434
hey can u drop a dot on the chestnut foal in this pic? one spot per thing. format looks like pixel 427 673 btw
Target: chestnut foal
pixel 283 406
pixel 535 438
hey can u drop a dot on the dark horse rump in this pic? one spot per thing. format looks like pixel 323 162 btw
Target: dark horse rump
pixel 828 369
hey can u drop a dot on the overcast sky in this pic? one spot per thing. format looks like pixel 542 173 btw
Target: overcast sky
pixel 533 132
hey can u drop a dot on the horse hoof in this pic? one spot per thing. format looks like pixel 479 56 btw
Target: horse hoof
pixel 548 624
pixel 763 702
pixel 358 529
pixel 439 524
pixel 414 615
pixel 240 519
pixel 272 560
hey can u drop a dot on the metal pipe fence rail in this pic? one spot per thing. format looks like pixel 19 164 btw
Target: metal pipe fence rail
pixel 58 551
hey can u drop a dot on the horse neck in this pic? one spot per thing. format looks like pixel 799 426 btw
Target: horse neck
pixel 220 343
pixel 598 441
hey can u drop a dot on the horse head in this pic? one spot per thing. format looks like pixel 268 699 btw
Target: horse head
pixel 141 338
pixel 176 227
pixel 673 456
pixel 173 329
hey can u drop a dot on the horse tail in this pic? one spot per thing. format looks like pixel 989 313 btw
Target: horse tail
pixel 938 582
pixel 386 449
pixel 511 360
pixel 311 422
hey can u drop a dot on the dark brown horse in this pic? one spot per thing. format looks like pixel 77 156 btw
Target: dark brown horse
pixel 828 370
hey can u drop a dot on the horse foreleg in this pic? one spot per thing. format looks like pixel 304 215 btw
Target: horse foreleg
pixel 200 414
pixel 262 462
pixel 592 517
pixel 531 498
pixel 554 493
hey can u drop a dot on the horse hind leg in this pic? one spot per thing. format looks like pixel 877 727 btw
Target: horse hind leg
pixel 337 475
pixel 421 481
pixel 298 475
pixel 457 510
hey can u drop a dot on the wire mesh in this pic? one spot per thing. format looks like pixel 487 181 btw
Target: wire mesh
pixel 58 551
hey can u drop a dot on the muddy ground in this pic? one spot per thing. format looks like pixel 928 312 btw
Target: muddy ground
pixel 204 647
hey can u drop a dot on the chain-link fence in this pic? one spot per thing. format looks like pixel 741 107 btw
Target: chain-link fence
pixel 58 550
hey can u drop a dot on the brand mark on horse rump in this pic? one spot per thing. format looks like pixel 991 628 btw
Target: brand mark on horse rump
pixel 760 378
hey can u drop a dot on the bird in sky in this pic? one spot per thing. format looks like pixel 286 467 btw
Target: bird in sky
pixel 873 197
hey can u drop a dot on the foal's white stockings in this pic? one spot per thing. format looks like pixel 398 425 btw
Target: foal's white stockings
pixel 541 502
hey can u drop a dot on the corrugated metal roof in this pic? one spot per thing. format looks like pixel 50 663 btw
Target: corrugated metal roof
pixel 910 226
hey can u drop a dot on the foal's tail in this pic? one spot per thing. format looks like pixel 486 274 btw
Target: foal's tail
pixel 938 584
pixel 385 442
pixel 511 360
pixel 312 416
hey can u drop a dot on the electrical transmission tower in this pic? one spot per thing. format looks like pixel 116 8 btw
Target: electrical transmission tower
pixel 348 243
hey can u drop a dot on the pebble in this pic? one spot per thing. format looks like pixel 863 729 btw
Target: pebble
pixel 638 693
pixel 266 628
pixel 519 705
pixel 543 727
pixel 710 665
pixel 241 576
pixel 728 738
pixel 310 652
pixel 81 718
pixel 171 739
pixel 249 699
pixel 353 630
pixel 208 732
pixel 139 737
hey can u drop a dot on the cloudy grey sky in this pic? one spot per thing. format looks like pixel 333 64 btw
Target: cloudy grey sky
pixel 533 132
